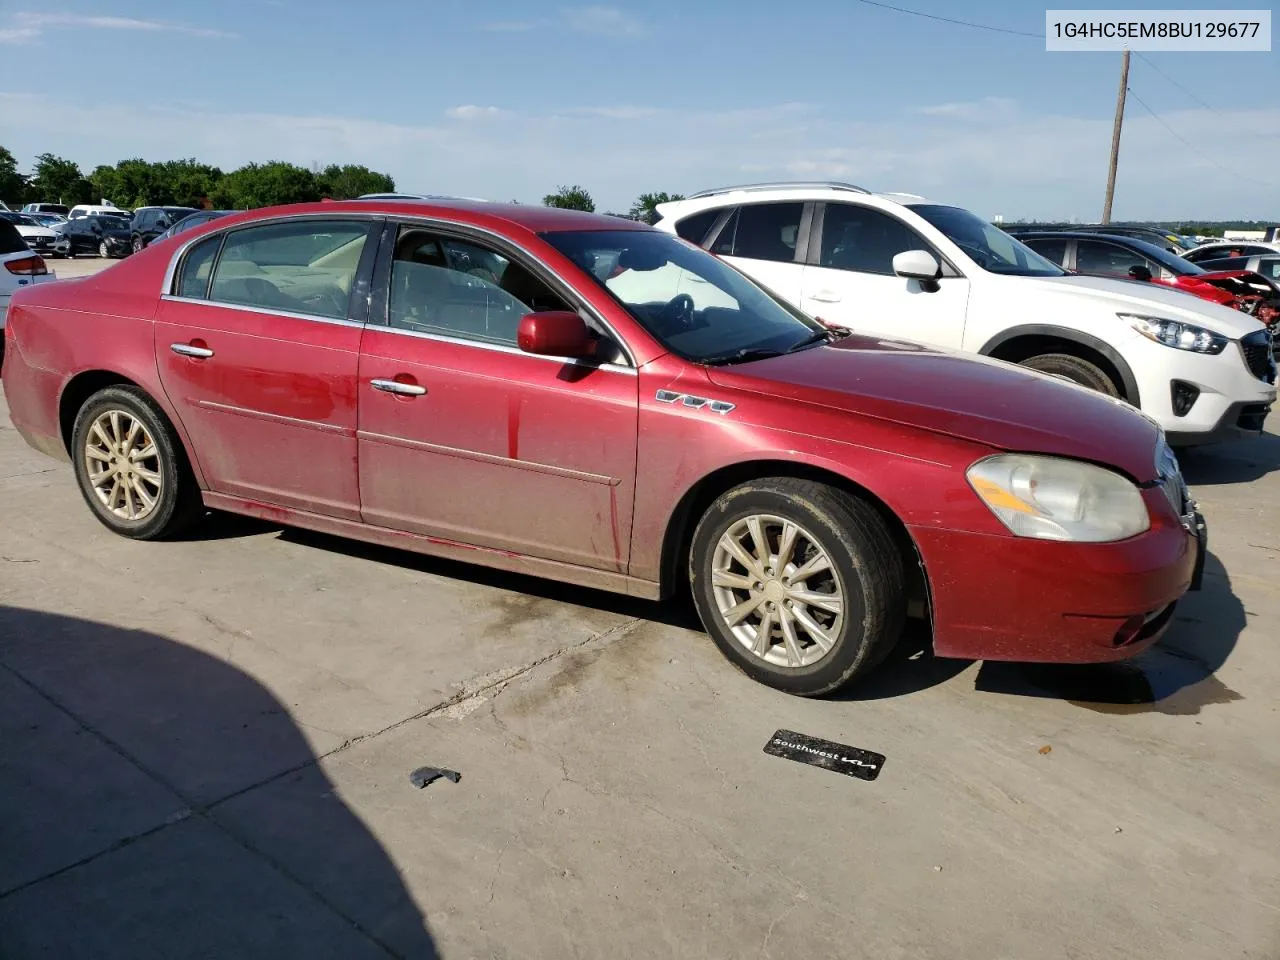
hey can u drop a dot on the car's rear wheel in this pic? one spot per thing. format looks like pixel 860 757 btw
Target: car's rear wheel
pixel 131 467
pixel 1075 369
pixel 137 244
pixel 800 585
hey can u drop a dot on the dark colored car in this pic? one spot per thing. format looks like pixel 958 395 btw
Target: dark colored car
pixel 1103 255
pixel 190 222
pixel 466 380
pixel 107 236
pixel 151 222
pixel 1172 242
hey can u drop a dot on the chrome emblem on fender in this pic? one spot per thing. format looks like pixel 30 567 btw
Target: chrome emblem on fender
pixel 688 400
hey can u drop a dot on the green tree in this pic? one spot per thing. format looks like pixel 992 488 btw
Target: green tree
pixel 13 185
pixel 351 180
pixel 645 207
pixel 570 198
pixel 265 185
pixel 59 181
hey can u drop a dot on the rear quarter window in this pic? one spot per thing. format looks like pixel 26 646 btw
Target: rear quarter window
pixel 10 239
pixel 695 228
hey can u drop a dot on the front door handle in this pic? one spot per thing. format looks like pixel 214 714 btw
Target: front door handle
pixel 395 386
pixel 190 350
pixel 826 296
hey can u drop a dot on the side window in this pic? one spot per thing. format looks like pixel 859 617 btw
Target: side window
pixel 865 240
pixel 1055 250
pixel 762 231
pixel 193 278
pixel 1270 269
pixel 1096 256
pixel 694 228
pixel 306 266
pixel 458 288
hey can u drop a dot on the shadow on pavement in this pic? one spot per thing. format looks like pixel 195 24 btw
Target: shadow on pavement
pixel 130 825
pixel 1176 676
pixel 909 668
pixel 1227 463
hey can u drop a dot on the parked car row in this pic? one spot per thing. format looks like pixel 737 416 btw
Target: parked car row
pixel 103 229
pixel 650 410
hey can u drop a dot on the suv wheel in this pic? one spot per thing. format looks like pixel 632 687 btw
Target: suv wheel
pixel 800 585
pixel 137 244
pixel 1076 370
pixel 131 467
pixel 103 251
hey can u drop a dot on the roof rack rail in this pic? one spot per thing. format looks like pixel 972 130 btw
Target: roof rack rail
pixel 782 185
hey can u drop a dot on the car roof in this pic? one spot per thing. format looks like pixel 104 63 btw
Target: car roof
pixel 480 213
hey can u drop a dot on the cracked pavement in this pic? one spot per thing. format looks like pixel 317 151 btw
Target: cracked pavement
pixel 205 750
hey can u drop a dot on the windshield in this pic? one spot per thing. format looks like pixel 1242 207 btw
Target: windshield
pixel 109 222
pixel 1170 261
pixel 990 247
pixel 695 304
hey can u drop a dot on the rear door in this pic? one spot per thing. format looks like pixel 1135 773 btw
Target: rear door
pixel 258 346
pixel 767 242
pixel 850 278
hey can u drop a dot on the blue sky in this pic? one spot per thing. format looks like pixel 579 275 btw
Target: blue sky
pixel 506 100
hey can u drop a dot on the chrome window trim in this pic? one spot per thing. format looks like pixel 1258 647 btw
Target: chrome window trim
pixel 503 348
pixel 245 308
pixel 371 217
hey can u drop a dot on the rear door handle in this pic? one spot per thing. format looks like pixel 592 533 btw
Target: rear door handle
pixel 395 386
pixel 826 296
pixel 187 350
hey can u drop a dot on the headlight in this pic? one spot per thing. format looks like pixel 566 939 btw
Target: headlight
pixel 1176 334
pixel 1048 498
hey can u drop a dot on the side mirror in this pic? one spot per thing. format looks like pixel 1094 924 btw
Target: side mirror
pixel 556 333
pixel 917 265
pixel 1140 272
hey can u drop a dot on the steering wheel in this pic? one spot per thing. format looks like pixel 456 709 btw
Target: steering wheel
pixel 679 309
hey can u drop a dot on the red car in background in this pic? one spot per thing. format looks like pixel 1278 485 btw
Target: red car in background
pixel 589 399
pixel 1106 255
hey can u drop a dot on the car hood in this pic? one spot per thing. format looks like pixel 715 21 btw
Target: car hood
pixel 961 395
pixel 42 232
pixel 1149 299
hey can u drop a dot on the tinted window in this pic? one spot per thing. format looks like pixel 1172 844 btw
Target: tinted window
pixel 694 228
pixel 865 240
pixel 1055 250
pixel 1108 259
pixel 989 247
pixel 10 239
pixel 461 289
pixel 1229 263
pixel 762 231
pixel 193 278
pixel 1270 269
pixel 303 267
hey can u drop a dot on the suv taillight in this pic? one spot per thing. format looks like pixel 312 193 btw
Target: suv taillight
pixel 27 267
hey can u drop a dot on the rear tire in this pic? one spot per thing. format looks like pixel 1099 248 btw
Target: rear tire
pixel 131 467
pixel 1076 370
pixel 822 602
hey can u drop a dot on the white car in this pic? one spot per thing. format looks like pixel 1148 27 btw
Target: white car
pixel 1219 249
pixel 38 237
pixel 900 266
pixel 20 266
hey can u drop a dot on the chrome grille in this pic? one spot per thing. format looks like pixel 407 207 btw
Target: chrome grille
pixel 1259 356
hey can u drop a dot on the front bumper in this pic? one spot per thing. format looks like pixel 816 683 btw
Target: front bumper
pixel 1005 598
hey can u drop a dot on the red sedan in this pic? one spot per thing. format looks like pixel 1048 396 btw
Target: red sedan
pixel 588 399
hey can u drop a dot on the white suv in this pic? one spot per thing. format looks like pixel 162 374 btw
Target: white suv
pixel 20 266
pixel 900 266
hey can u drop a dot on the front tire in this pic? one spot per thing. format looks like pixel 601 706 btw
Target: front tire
pixel 137 244
pixel 1076 370
pixel 103 250
pixel 131 467
pixel 800 585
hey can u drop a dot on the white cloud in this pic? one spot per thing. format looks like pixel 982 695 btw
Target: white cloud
pixel 604 21
pixel 29 26
pixel 988 108
pixel 469 111
pixel 1017 165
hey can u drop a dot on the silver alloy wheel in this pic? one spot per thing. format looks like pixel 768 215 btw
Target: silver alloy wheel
pixel 778 591
pixel 102 250
pixel 123 463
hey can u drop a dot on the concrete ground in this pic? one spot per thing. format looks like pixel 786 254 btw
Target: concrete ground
pixel 205 750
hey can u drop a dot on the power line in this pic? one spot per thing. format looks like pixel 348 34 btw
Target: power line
pixel 1148 61
pixel 961 23
pixel 1186 144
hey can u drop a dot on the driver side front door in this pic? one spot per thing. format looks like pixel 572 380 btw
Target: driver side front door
pixel 849 279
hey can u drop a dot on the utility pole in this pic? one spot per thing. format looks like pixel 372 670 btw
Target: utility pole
pixel 1115 137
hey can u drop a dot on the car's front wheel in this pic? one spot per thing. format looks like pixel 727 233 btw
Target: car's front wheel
pixel 103 250
pixel 800 585
pixel 131 467
pixel 137 244
pixel 1077 370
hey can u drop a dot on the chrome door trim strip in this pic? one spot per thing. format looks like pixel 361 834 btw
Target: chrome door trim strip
pixel 275 418
pixel 531 465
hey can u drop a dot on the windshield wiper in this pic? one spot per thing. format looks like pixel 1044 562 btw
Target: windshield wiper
pixel 821 336
pixel 745 355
